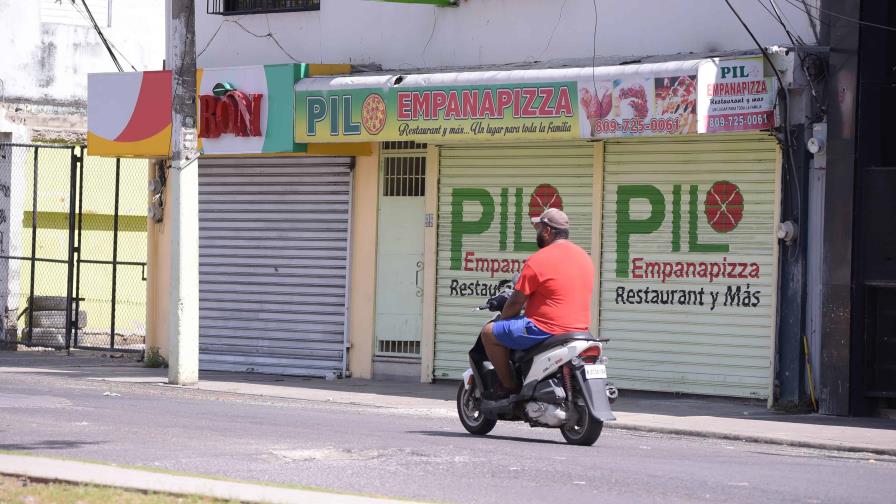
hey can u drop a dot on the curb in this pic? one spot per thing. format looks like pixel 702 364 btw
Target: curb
pixel 753 438
pixel 112 476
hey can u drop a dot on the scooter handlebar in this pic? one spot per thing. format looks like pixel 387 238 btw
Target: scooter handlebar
pixel 496 303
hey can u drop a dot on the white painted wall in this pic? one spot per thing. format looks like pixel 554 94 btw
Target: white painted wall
pixel 46 55
pixel 47 49
pixel 482 32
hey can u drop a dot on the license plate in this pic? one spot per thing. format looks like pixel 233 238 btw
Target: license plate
pixel 593 371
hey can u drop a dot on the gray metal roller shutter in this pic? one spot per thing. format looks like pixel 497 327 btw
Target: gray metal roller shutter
pixel 503 178
pixel 667 332
pixel 273 263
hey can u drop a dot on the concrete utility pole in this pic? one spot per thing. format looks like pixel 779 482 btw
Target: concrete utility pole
pixel 182 204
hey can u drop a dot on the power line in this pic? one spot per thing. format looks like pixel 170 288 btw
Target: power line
pixel 841 16
pixel 795 40
pixel 784 20
pixel 99 32
pixel 209 43
pixel 812 24
pixel 554 31
pixel 120 53
pixel 756 41
pixel 269 35
pixel 594 48
pixel 777 18
pixel 782 92
pixel 435 19
pixel 811 16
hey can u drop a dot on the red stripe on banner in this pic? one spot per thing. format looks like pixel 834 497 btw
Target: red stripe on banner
pixel 152 113
pixel 744 121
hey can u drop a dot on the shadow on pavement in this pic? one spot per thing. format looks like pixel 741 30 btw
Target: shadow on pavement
pixel 50 444
pixel 679 405
pixel 488 436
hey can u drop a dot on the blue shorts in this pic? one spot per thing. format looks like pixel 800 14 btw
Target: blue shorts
pixel 518 333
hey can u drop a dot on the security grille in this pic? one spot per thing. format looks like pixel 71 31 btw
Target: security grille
pixel 718 347
pixel 506 178
pixel 273 264
pixel 398 347
pixel 233 7
pixel 404 176
pixel 404 146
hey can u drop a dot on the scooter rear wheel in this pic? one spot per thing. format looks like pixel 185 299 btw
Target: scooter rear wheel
pixel 470 415
pixel 587 428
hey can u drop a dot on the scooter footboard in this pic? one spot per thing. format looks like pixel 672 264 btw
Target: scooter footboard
pixel 595 392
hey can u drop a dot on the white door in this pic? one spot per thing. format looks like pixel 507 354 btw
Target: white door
pixel 399 277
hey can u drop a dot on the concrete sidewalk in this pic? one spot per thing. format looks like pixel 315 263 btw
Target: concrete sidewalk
pixel 48 469
pixel 665 413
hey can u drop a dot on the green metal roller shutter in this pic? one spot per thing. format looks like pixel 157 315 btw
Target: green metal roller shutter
pixel 685 219
pixel 485 196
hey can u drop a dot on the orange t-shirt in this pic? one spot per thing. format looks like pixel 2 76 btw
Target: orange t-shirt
pixel 558 280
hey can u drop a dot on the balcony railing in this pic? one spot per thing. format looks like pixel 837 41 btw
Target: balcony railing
pixel 236 7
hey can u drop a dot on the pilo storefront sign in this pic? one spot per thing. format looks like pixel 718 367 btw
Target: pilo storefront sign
pixel 687 245
pixel 496 112
pixel 491 235
pixel 735 95
pixel 677 98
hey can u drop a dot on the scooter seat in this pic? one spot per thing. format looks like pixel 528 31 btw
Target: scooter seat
pixel 553 341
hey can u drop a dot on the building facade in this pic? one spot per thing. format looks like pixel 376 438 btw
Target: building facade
pixel 855 272
pixel 424 137
pixel 50 47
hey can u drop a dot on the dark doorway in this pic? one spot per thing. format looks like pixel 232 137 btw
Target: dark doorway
pixel 874 330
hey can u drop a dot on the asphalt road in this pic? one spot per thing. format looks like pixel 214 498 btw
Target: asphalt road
pixel 406 454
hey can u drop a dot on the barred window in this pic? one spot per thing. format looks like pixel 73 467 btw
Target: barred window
pixel 232 7
pixel 404 169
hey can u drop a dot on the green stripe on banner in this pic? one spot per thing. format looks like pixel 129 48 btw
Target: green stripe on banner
pixel 90 222
pixel 281 80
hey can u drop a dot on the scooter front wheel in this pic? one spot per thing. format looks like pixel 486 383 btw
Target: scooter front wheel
pixel 470 413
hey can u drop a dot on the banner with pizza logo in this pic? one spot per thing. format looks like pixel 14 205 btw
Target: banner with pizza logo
pixel 438 113
pixel 657 99
pixel 639 106
pixel 735 95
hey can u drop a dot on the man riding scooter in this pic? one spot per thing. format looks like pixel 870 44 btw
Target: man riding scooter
pixel 555 288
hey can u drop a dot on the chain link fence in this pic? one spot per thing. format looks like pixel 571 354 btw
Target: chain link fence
pixel 72 248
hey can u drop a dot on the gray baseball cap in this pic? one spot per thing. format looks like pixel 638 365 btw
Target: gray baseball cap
pixel 553 217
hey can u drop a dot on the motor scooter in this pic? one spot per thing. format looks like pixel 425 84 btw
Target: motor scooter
pixel 564 384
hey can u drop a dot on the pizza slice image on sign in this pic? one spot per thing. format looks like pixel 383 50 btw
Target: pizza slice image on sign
pixel 724 206
pixel 373 114
pixel 544 197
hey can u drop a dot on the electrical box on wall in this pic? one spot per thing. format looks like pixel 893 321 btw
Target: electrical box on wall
pixel 817 145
